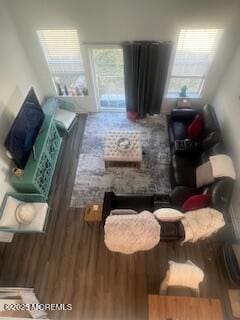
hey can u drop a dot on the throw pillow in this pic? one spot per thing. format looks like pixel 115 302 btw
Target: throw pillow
pixel 168 214
pixel 122 211
pixel 196 202
pixel 195 128
pixel 25 213
pixel 204 175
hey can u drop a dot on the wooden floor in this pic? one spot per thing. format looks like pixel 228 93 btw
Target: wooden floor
pixel 70 264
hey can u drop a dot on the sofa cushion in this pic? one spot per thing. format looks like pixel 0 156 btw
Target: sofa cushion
pixel 172 231
pixel 184 171
pixel 209 120
pixel 134 201
pixel 221 193
pixel 179 130
pixel 194 130
pixel 122 211
pixel 211 130
pixel 218 148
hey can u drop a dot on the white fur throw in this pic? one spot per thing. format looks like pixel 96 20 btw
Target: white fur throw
pixel 130 233
pixel 201 223
pixel 222 166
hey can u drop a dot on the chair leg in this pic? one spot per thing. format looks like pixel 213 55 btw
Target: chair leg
pixel 164 285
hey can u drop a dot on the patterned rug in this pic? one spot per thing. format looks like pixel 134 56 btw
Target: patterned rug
pixel 92 179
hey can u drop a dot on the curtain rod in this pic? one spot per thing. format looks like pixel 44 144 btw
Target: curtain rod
pixel 120 43
pixel 101 43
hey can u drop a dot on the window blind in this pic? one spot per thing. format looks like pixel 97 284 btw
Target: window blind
pixel 194 54
pixel 61 49
pixel 62 53
pixel 195 51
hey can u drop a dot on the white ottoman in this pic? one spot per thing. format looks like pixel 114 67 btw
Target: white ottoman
pixel 115 157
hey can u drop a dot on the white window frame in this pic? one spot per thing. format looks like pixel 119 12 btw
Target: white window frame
pixel 204 77
pixel 91 47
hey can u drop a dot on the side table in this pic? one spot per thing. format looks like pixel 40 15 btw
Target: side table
pixel 183 103
pixel 93 212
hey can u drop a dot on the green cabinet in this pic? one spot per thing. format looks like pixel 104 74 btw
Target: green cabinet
pixel 39 170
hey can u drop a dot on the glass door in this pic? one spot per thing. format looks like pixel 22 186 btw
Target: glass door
pixel 107 65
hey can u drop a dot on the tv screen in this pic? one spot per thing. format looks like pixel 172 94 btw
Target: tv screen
pixel 23 133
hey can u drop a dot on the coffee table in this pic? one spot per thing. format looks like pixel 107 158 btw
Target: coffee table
pixel 113 156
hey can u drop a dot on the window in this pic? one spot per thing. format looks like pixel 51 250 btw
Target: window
pixel 109 79
pixel 194 54
pixel 62 52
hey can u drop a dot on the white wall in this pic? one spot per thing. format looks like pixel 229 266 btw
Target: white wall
pixel 111 21
pixel 227 106
pixel 16 77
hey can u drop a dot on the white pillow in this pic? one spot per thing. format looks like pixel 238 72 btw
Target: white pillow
pixel 8 218
pixel 168 214
pixel 25 213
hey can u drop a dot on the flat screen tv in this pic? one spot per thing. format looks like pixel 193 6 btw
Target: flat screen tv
pixel 23 133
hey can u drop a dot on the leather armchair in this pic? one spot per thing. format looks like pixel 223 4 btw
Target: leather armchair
pixel 220 191
pixel 179 120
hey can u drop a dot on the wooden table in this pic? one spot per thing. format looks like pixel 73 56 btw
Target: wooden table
pixel 183 308
pixel 93 212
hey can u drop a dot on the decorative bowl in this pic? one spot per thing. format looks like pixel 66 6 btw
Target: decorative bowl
pixel 124 144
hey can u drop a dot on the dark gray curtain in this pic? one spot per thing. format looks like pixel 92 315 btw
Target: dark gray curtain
pixel 145 72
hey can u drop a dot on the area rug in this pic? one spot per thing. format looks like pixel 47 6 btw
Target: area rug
pixel 92 179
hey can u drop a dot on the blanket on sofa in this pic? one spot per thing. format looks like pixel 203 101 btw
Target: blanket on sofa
pixel 201 223
pixel 131 233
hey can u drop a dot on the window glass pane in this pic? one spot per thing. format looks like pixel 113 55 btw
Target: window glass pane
pixel 62 52
pixel 193 84
pixel 194 54
pixel 108 65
